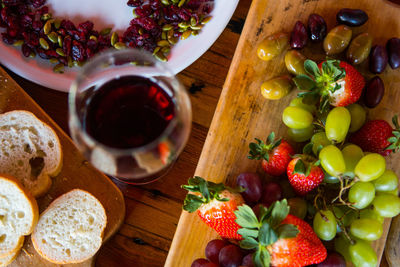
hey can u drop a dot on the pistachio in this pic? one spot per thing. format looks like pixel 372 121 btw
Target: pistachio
pixel 175 1
pixel 182 29
pixel 183 24
pixel 165 2
pixel 165 50
pixel 193 21
pixel 163 43
pixel 119 45
pixel 173 40
pixel 70 62
pixel 135 63
pixel 181 3
pixel 53 60
pixel 18 43
pixel 32 54
pixel 206 20
pixel 140 31
pixel 170 33
pixel 134 14
pixel 156 50
pixel 167 27
pixel 186 34
pixel 114 38
pixel 197 27
pixel 163 35
pixel 59 68
pixel 92 37
pixel 194 33
pixel 57 23
pixel 45 17
pixel 60 51
pixel 105 31
pixel 160 56
pixel 44 44
pixel 47 27
pixel 60 41
pixel 53 37
pixel 77 63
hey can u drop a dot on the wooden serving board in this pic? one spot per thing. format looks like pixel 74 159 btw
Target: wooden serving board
pixel 76 173
pixel 243 114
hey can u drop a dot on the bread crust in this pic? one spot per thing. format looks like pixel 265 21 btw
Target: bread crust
pixel 49 208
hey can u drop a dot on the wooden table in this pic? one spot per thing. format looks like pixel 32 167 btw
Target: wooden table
pixel 152 211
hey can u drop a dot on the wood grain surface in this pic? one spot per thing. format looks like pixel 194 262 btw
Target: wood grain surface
pixel 76 173
pixel 152 211
pixel 243 114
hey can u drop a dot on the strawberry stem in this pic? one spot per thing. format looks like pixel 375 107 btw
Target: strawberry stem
pixel 260 150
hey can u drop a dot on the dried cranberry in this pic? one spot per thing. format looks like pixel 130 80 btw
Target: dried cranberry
pixel 143 11
pixel 78 52
pixel 11 2
pixel 37 3
pixel 51 53
pixel 67 24
pixel 85 27
pixel 26 21
pixel 134 3
pixel 146 23
pixel 7 38
pixel 67 44
pixel 42 53
pixel 26 50
pixel 37 25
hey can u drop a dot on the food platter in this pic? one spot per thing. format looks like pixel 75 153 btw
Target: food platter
pixel 106 13
pixel 242 113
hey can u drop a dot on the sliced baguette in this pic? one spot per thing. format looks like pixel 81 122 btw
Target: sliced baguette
pixel 30 150
pixel 70 230
pixel 8 259
pixel 19 214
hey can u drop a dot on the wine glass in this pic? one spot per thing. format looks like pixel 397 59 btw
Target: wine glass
pixel 129 115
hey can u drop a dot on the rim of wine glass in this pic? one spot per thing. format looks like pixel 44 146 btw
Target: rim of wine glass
pixel 75 122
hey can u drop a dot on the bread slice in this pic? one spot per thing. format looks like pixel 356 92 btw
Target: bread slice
pixel 29 150
pixel 19 214
pixel 70 230
pixel 8 259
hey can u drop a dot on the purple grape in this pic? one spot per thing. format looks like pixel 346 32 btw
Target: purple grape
pixel 256 209
pixel 333 260
pixel 252 184
pixel 230 256
pixel 271 192
pixel 248 260
pixel 199 263
pixel 210 264
pixel 213 248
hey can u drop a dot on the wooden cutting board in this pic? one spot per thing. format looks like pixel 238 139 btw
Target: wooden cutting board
pixel 76 173
pixel 243 114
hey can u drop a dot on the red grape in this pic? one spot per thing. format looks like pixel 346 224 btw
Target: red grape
pixel 213 247
pixel 230 256
pixel 199 263
pixel 248 260
pixel 256 209
pixel 271 192
pixel 333 260
pixel 251 182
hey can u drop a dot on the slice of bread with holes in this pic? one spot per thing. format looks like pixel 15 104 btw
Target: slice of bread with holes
pixel 8 259
pixel 18 216
pixel 30 150
pixel 71 229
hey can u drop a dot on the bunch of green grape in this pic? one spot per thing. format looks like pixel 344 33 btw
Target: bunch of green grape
pixel 368 191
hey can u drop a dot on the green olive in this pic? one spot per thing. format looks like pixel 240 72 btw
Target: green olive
pixel 359 48
pixel 272 46
pixel 294 61
pixel 337 40
pixel 277 88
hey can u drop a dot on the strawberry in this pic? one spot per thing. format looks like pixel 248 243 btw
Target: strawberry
pixel 215 205
pixel 304 175
pixel 275 154
pixel 378 136
pixel 278 238
pixel 337 82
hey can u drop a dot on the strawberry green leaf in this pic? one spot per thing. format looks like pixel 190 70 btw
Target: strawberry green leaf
pixel 287 231
pixel 267 235
pixel 392 139
pixel 311 68
pixel 299 168
pixel 192 202
pixel 261 257
pixel 271 138
pixel 304 82
pixel 204 190
pixel 245 217
pixel 245 232
pixel 395 122
pixel 319 148
pixel 308 170
pixel 396 133
pixel 280 209
pixel 331 68
pixel 317 163
pixel 307 149
pixel 264 213
pixel 248 243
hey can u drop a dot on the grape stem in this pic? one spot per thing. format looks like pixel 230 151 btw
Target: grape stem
pixel 344 185
pixel 342 227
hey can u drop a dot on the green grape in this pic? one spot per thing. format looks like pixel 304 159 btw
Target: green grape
pixel 366 229
pixel 358 116
pixel 345 214
pixel 371 214
pixel 388 181
pixel 329 179
pixel 337 124
pixel 324 225
pixel 362 254
pixel 319 139
pixel 298 207
pixel 332 160
pixel 298 102
pixel 301 135
pixel 296 118
pixel 387 205
pixel 394 192
pixel 342 246
pixel 352 155
pixel 370 167
pixel 361 194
